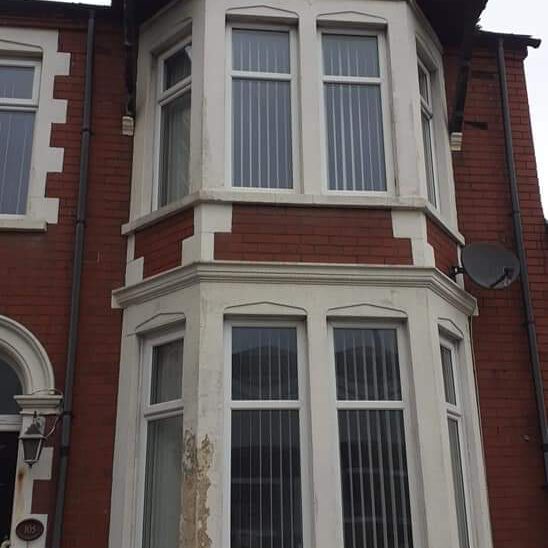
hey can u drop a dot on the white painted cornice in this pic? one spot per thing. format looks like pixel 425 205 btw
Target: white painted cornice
pixel 296 274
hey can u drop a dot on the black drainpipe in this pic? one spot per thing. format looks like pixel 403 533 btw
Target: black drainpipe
pixel 80 230
pixel 518 233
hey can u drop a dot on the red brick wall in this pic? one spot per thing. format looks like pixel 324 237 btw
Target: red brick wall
pixel 160 244
pixel 312 235
pixel 35 271
pixel 519 504
pixel 445 247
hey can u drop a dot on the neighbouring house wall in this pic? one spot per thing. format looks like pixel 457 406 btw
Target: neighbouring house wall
pixel 36 267
pixel 519 504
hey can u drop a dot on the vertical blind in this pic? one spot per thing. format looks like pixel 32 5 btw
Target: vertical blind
pixel 353 113
pixel 374 479
pixel 265 455
pixel 16 137
pixel 163 463
pixel 262 140
pixel 175 102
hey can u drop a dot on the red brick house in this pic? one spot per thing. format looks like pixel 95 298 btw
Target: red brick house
pixel 226 238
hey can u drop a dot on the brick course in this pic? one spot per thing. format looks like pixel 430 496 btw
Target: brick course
pixel 312 235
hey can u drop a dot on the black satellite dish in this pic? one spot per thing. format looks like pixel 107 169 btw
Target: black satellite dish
pixel 489 265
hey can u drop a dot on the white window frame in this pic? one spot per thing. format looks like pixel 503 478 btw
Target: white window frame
pixel 404 405
pixel 24 105
pixel 427 109
pixel 149 413
pixel 163 98
pixel 302 405
pixel 292 77
pixel 456 413
pixel 383 82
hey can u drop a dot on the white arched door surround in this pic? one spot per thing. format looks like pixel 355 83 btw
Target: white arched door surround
pixel 24 354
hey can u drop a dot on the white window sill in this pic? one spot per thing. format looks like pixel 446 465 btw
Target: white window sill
pixel 22 223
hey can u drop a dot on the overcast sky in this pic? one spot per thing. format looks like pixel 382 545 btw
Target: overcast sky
pixel 529 17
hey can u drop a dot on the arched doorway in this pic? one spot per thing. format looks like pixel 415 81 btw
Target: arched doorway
pixel 10 425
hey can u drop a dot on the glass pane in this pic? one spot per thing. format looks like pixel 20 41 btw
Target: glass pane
pixel 367 367
pixel 178 67
pixel 9 444
pixel 260 51
pixel 261 134
pixel 16 82
pixel 16 133
pixel 265 480
pixel 175 150
pixel 429 157
pixel 167 372
pixel 10 386
pixel 163 480
pixel 264 363
pixel 458 483
pixel 374 479
pixel 350 55
pixel 423 85
pixel 355 137
pixel 448 378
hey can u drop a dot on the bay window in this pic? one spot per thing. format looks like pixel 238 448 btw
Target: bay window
pixel 19 85
pixel 174 98
pixel 266 424
pixel 373 463
pixel 262 122
pixel 455 431
pixel 354 128
pixel 162 434
pixel 427 125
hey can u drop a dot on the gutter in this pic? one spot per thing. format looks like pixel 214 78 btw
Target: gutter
pixel 80 230
pixel 518 233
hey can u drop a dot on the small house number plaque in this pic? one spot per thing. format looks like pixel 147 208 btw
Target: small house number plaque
pixel 29 529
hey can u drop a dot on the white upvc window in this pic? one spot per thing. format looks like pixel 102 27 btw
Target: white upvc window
pixel 161 435
pixel 19 90
pixel 428 133
pixel 261 110
pixel 267 478
pixel 356 128
pixel 372 410
pixel 455 428
pixel 173 124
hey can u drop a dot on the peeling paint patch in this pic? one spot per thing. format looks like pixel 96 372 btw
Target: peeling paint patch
pixel 196 465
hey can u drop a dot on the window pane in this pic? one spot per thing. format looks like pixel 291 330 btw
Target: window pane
pixel 355 137
pixel 167 372
pixel 16 132
pixel 175 150
pixel 266 479
pixel 264 363
pixel 260 51
pixel 10 386
pixel 448 378
pixel 16 82
pixel 423 85
pixel 261 134
pixel 458 483
pixel 163 476
pixel 178 67
pixel 429 157
pixel 374 478
pixel 350 55
pixel 9 444
pixel 367 367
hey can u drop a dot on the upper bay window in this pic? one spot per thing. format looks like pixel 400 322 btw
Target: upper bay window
pixel 354 120
pixel 19 85
pixel 174 98
pixel 427 125
pixel 262 135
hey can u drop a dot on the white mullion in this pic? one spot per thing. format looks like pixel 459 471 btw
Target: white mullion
pixel 175 91
pixel 265 404
pixel 250 75
pixel 371 405
pixel 163 410
pixel 356 80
